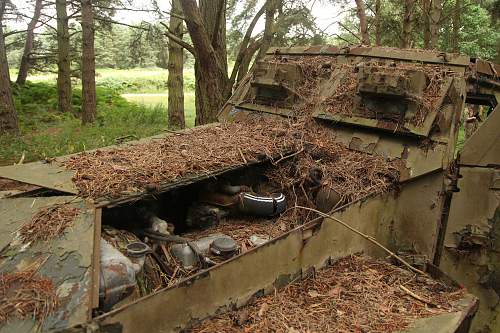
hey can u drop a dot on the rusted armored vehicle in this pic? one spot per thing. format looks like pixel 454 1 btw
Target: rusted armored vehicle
pixel 331 196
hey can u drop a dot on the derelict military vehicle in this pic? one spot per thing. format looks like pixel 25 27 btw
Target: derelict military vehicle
pixel 329 197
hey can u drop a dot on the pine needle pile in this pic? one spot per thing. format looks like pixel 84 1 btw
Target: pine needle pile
pixel 350 173
pixel 356 294
pixel 48 223
pixel 111 173
pixel 317 70
pixel 24 294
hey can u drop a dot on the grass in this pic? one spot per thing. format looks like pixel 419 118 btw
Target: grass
pixel 158 100
pixel 46 133
pixel 135 80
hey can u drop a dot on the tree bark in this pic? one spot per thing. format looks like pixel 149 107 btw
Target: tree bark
pixel 28 45
pixel 89 104
pixel 455 40
pixel 244 49
pixel 213 13
pixel 212 83
pixel 363 23
pixel 435 21
pixel 378 28
pixel 8 116
pixel 247 58
pixel 213 16
pixel 409 7
pixel 426 6
pixel 63 61
pixel 267 38
pixel 175 70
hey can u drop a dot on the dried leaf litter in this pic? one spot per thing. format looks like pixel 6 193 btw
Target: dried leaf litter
pixel 48 222
pixel 197 151
pixel 356 294
pixel 25 294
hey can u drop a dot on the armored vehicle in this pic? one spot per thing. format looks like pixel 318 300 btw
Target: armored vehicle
pixel 331 196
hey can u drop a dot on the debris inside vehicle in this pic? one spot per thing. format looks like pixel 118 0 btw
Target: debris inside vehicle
pixel 389 298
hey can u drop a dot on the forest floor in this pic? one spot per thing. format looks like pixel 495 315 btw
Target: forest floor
pixel 131 104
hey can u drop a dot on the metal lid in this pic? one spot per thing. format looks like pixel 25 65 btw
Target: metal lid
pixel 137 249
pixel 223 246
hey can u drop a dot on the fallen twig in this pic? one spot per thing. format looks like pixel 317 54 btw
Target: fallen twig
pixel 417 297
pixel 367 237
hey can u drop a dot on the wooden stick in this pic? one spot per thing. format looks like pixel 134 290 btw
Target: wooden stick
pixel 367 237
pixel 242 156
pixel 417 297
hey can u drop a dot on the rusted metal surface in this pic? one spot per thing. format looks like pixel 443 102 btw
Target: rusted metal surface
pixel 483 148
pixel 472 244
pixel 43 174
pixel 67 259
pixel 376 52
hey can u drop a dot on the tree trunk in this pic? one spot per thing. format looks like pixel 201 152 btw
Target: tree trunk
pixel 28 45
pixel 63 61
pixel 267 38
pixel 247 58
pixel 238 70
pixel 378 29
pixel 89 104
pixel 435 18
pixel 211 75
pixel 407 29
pixel 213 13
pixel 175 70
pixel 455 39
pixel 8 116
pixel 363 23
pixel 426 6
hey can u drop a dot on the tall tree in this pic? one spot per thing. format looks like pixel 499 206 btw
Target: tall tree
pixel 408 12
pixel 363 22
pixel 214 24
pixel 378 22
pixel 89 104
pixel 267 38
pixel 435 22
pixel 28 45
pixel 175 69
pixel 455 38
pixel 211 78
pixel 8 116
pixel 213 84
pixel 432 10
pixel 63 57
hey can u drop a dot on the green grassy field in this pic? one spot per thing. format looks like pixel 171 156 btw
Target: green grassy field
pixel 131 104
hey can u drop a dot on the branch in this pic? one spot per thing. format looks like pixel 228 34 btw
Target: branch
pixel 217 22
pixel 15 32
pixel 177 40
pixel 244 44
pixel 367 237
pixel 348 30
pixel 120 23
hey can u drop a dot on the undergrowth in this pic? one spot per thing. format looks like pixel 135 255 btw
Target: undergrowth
pixel 46 133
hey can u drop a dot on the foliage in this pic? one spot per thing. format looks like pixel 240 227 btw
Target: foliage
pixel 479 37
pixel 48 133
pixel 479 33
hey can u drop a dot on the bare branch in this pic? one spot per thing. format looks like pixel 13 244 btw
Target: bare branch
pixel 177 40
